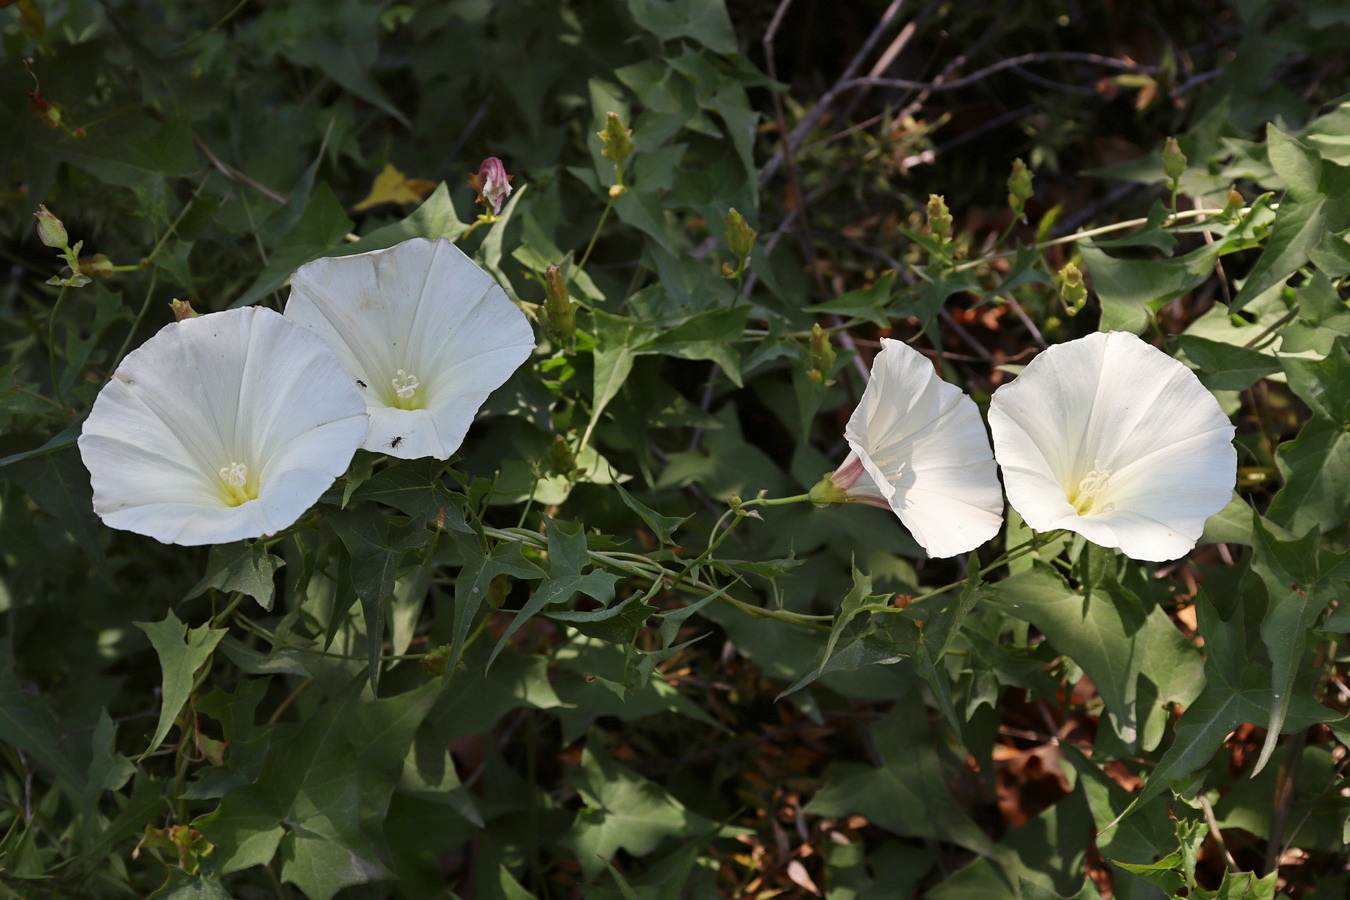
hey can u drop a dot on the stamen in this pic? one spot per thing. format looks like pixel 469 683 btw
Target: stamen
pixel 1093 485
pixel 405 385
pixel 235 475
pixel 238 489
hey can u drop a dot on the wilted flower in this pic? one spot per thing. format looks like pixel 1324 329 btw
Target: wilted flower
pixel 219 428
pixel 492 183
pixel 1112 438
pixel 422 331
pixel 918 447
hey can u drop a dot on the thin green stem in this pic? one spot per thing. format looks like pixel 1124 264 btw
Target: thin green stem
pixel 236 598
pixel 1082 235
pixel 51 345
pixel 594 237
pixel 136 323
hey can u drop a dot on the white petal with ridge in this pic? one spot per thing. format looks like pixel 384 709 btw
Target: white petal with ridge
pixel 422 331
pixel 243 398
pixel 1110 437
pixel 921 442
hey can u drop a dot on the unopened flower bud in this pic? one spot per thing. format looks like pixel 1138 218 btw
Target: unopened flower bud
pixel 939 218
pixel 822 355
pixel 51 231
pixel 617 190
pixel 1236 204
pixel 492 183
pixel 435 662
pixel 1174 161
pixel 740 236
pixel 1019 187
pixel 98 264
pixel 618 141
pixel 1071 289
pixel 560 313
pixel 182 309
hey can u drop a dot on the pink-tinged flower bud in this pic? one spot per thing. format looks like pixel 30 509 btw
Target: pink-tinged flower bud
pixel 182 309
pixel 51 231
pixel 492 183
pixel 618 140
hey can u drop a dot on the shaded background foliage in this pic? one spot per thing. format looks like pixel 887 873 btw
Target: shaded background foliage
pixel 209 149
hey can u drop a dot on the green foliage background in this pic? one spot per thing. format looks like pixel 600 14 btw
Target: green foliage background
pixel 620 713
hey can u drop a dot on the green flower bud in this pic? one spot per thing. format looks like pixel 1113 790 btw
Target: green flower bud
pixel 1174 161
pixel 435 662
pixel 50 230
pixel 98 264
pixel 822 355
pixel 740 236
pixel 560 313
pixel 1072 291
pixel 182 309
pixel 939 219
pixel 1019 187
pixel 618 140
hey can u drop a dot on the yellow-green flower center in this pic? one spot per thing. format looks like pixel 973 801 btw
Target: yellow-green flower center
pixel 1087 495
pixel 406 388
pixel 236 487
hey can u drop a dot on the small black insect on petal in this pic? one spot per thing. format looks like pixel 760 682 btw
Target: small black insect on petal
pixel 361 384
pixel 398 439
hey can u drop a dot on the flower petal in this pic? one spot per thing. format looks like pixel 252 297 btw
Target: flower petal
pixel 419 309
pixel 921 441
pixel 244 386
pixel 1123 429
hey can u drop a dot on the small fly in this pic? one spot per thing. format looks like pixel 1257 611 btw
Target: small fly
pixel 398 439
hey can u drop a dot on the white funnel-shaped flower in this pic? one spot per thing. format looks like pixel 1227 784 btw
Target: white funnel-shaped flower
pixel 219 428
pixel 919 448
pixel 1112 438
pixel 422 331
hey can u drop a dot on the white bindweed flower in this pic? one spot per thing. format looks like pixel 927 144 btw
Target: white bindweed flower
pixel 219 428
pixel 422 331
pixel 1112 438
pixel 918 447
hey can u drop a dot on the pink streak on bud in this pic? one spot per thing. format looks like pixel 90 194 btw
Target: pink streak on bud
pixel 493 184
pixel 853 480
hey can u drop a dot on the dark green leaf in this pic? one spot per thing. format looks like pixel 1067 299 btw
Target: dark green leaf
pixel 1297 164
pixel 1099 634
pixel 323 224
pixel 624 811
pixel 1298 229
pixel 865 303
pixel 567 559
pixel 1316 470
pixel 243 566
pixel 662 526
pixel 1227 367
pixel 182 651
pixel 1301 582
